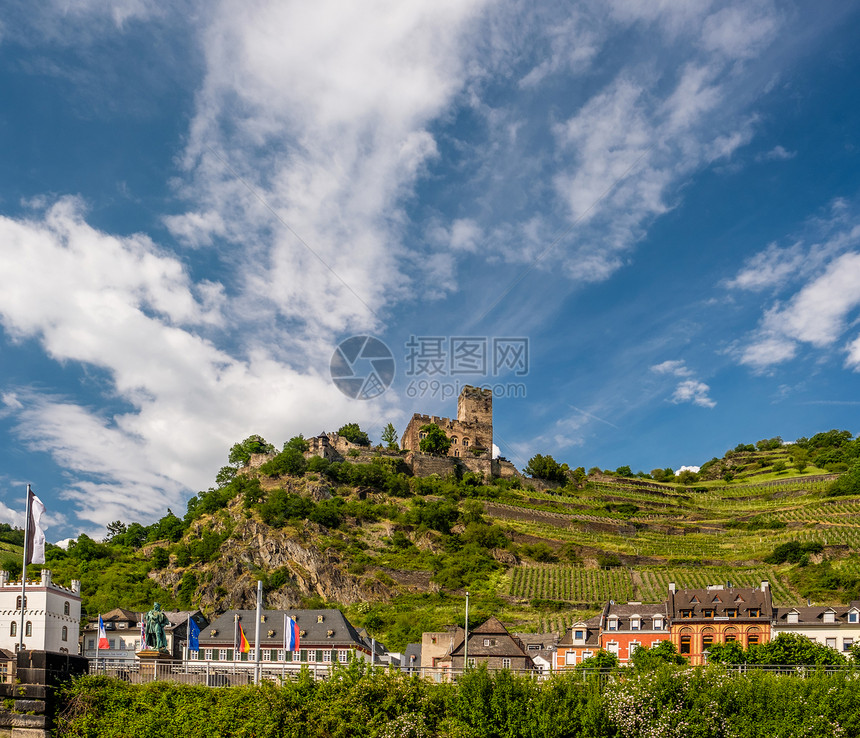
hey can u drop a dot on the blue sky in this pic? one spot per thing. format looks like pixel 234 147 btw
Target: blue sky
pixel 198 203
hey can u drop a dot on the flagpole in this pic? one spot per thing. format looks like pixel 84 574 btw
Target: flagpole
pixel 285 637
pixel 257 634
pixel 24 570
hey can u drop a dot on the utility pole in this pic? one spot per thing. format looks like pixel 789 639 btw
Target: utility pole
pixel 466 641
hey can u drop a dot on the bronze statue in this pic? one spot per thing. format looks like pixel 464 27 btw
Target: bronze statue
pixel 154 624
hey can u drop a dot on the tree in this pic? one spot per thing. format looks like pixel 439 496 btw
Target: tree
pixel 389 436
pixel 601 660
pixel 545 467
pixel 352 433
pixel 848 483
pixel 117 528
pixel 240 453
pixel 435 441
pixel 624 471
pixel 646 659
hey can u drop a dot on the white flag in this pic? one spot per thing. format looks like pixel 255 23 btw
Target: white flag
pixel 36 544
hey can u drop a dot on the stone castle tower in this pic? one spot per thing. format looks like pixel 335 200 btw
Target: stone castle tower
pixel 471 433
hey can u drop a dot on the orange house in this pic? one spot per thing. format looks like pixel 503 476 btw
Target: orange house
pixel 700 618
pixel 582 641
pixel 628 626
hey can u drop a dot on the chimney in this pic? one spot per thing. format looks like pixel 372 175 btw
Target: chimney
pixel 46 577
pixel 764 585
pixel 4 578
pixel 672 587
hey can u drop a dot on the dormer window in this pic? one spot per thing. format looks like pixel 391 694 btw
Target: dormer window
pixel 658 623
pixel 579 635
pixel 319 618
pixel 792 617
pixel 731 612
pixel 852 617
pixel 708 613
pixel 755 612
pixel 830 616
pixel 686 613
pixel 612 624
pixel 634 623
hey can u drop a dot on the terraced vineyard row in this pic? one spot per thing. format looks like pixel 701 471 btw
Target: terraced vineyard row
pixel 579 585
pixel 570 583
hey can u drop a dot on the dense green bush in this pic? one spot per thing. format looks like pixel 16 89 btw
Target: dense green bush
pixel 363 702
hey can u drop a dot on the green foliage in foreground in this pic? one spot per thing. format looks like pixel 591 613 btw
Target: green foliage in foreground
pixel 361 701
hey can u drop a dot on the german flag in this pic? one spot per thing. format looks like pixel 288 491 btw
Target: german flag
pixel 244 646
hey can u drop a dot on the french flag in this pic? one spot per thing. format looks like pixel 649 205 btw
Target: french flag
pixel 291 634
pixel 103 639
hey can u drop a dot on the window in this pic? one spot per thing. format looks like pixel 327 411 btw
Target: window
pixel 852 617
pixel 470 662
pixel 28 629
pixel 707 613
pixel 465 441
pixel 570 657
pixel 792 617
pixel 587 654
pixel 112 643
pixel 489 641
pixel 579 635
pixel 422 434
pixel 433 640
pixel 266 655
pixel 731 612
pixel 222 654
pixel 612 647
pixel 686 613
pixel 830 617
pixel 65 633
pixel 613 624
pixel 634 623
pixel 847 643
pixel 66 608
pixel 731 634
pixel 208 654
pixel 343 655
pixel 327 657
pixel 632 646
pixel 533 647
pixel 122 626
pixel 506 663
pixel 707 640
pixel 686 642
pixel 831 643
pixel 755 612
pixel 658 623
pixel 312 656
pixel 453 440
pixel 752 637
pixel 91 643
pixel 18 603
pixel 13 629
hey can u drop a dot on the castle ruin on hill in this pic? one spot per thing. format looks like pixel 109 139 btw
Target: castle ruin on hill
pixel 471 435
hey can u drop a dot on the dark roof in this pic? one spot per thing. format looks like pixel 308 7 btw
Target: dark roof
pixel 492 625
pixel 625 612
pixel 815 615
pixel 720 599
pixel 592 634
pixel 333 630
pixel 490 638
pixel 411 657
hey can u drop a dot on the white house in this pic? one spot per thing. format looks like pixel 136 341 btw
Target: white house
pixel 837 626
pixel 52 614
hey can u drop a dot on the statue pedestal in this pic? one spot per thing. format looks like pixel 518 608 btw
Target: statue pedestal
pixel 149 661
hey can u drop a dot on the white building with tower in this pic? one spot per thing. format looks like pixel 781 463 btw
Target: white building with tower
pixel 52 614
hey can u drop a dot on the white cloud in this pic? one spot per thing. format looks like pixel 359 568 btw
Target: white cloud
pixel 688 389
pixel 742 30
pixel 346 92
pixel 770 267
pixel 777 153
pixel 122 305
pixel 818 315
pixel 694 469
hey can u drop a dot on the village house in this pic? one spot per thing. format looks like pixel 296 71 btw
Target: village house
pixel 701 617
pixel 490 644
pixel 123 631
pixel 580 642
pixel 52 614
pixel 836 626
pixel 325 637
pixel 628 626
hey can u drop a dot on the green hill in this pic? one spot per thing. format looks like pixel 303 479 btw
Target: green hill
pixel 398 553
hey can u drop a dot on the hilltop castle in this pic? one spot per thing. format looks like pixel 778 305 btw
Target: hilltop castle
pixel 471 435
